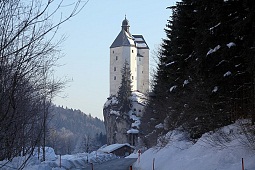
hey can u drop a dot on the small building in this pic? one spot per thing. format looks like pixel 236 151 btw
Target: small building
pixel 118 149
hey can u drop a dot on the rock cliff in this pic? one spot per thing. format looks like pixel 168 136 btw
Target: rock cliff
pixel 123 127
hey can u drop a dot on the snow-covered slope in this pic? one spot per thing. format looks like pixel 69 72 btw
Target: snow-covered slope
pixel 181 154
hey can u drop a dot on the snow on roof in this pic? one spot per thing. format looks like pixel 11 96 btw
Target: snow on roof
pixel 123 39
pixel 113 147
pixel 141 45
pixel 133 131
pixel 138 39
pixel 140 42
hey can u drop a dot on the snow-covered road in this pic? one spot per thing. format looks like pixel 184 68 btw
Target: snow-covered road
pixel 116 164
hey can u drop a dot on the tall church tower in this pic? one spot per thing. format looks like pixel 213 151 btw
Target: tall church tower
pixel 134 50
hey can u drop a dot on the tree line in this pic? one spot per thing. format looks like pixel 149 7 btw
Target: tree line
pixel 72 131
pixel 205 72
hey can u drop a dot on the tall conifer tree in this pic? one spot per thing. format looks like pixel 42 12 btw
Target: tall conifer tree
pixel 125 88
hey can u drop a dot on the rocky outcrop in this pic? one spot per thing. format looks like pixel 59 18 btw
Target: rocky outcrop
pixel 116 124
pixel 123 127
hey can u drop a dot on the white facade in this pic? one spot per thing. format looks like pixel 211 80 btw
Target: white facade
pixel 134 50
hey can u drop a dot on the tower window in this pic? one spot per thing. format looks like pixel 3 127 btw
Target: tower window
pixel 113 51
pixel 132 77
pixel 116 57
pixel 132 51
pixel 114 68
pixel 114 77
pixel 142 71
pixel 139 58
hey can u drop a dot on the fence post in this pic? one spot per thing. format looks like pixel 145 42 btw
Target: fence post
pixel 153 163
pixel 139 154
pixel 242 164
pixel 92 167
pixel 60 160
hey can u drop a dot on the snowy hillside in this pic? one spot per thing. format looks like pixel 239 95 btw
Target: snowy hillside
pixel 181 154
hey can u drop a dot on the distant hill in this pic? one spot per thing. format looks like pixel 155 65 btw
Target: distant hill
pixel 73 131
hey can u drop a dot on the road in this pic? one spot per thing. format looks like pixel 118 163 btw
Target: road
pixel 115 164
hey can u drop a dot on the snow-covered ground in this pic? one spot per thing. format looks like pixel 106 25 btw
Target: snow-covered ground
pixel 205 154
pixel 174 151
pixel 53 162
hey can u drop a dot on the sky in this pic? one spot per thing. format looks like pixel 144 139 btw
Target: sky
pixel 86 48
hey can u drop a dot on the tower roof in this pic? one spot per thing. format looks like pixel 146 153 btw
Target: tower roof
pixel 123 39
pixel 140 42
pixel 125 25
pixel 126 39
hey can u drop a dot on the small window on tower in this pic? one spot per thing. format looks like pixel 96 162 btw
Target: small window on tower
pixel 114 68
pixel 142 71
pixel 132 77
pixel 132 51
pixel 139 58
pixel 113 51
pixel 114 77
pixel 116 57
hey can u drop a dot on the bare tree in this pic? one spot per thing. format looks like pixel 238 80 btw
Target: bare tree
pixel 28 54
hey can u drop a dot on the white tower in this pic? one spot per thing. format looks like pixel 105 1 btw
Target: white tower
pixel 135 51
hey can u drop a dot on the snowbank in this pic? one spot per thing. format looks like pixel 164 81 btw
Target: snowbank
pixel 203 155
pixel 76 161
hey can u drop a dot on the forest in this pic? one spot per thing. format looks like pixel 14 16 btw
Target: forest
pixel 72 131
pixel 204 77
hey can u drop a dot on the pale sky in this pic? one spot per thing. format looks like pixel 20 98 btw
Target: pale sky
pixel 87 47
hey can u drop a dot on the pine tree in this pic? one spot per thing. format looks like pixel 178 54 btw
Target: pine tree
pixel 124 92
pixel 205 75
